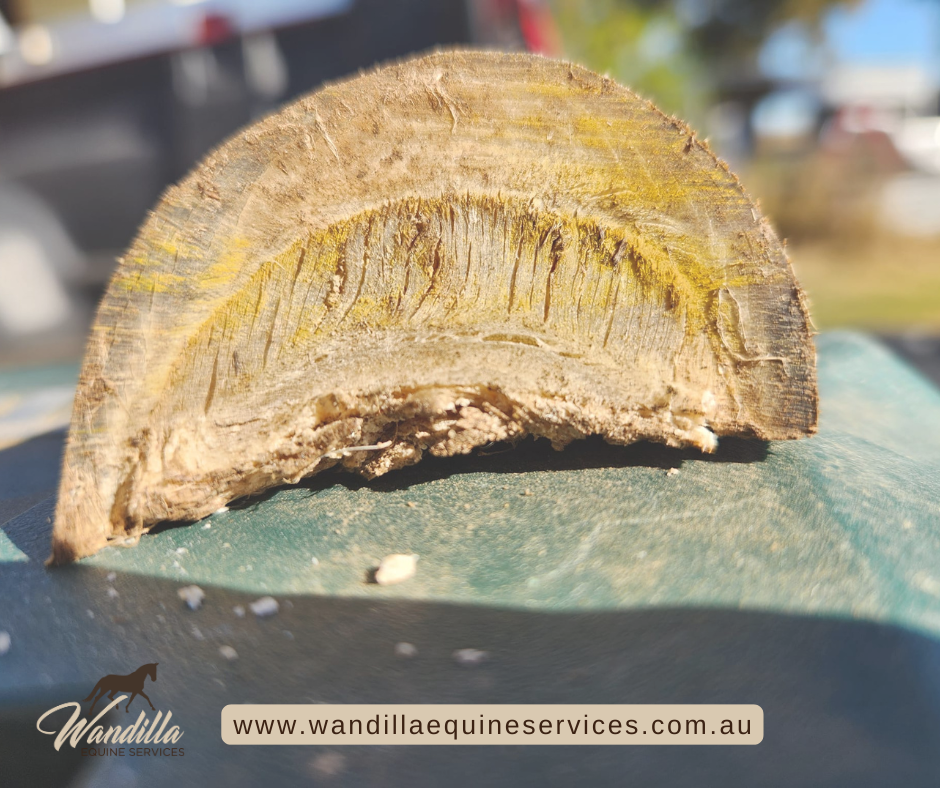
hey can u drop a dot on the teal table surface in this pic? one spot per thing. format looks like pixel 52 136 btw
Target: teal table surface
pixel 804 576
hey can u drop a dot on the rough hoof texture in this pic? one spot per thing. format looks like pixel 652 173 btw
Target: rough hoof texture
pixel 446 252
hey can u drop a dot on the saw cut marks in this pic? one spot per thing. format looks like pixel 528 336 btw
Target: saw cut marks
pixel 446 252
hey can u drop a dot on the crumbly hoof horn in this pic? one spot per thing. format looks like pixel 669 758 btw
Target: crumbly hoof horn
pixel 449 251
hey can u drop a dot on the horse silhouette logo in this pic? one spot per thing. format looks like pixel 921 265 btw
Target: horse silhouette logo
pixel 133 683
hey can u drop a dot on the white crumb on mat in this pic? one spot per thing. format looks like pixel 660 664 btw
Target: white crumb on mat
pixel 112 593
pixel 207 526
pixel 411 505
pixel 396 568
pixel 470 656
pixel 239 610
pixel 221 510
pixel 181 551
pixel 672 472
pixel 328 764
pixel 5 642
pixel 266 606
pixel 526 493
pixel 192 596
pixel 228 652
pixel 405 650
pixel 112 576
pixel 314 561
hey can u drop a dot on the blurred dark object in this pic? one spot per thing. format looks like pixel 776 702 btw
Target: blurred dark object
pixel 922 351
pixel 103 103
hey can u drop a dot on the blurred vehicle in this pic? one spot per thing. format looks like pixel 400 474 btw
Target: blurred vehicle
pixel 892 111
pixel 105 102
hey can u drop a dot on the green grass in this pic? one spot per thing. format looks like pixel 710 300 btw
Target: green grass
pixel 884 284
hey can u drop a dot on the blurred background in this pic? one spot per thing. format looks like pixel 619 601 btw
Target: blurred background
pixel 827 109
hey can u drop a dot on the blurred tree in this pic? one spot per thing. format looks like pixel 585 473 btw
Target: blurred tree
pixel 639 44
pixel 677 51
pixel 10 11
pixel 725 31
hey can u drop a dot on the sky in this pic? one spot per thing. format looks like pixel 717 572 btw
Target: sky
pixel 887 31
pixel 883 32
pixel 878 32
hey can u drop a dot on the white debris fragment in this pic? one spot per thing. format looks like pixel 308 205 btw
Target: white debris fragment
pixel 314 561
pixel 5 642
pixel 181 550
pixel 239 611
pixel 228 652
pixel 221 510
pixel 206 527
pixel 672 472
pixel 470 656
pixel 192 596
pixel 405 650
pixel 112 576
pixel 266 606
pixel 328 764
pixel 396 568
pixel 112 593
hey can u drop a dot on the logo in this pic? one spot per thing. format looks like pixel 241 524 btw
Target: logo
pixel 145 737
pixel 131 683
